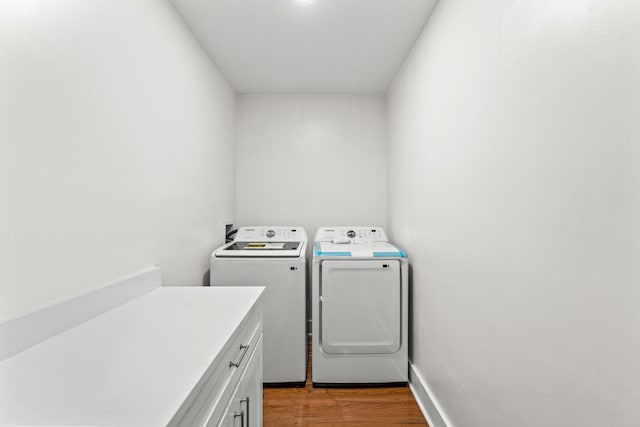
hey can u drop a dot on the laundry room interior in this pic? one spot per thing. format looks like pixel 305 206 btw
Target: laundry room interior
pixel 486 153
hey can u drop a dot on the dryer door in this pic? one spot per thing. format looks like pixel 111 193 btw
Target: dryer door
pixel 360 306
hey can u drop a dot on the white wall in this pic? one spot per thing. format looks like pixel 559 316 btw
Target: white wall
pixel 515 188
pixel 113 127
pixel 311 160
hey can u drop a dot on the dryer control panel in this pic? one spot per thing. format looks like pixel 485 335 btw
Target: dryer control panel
pixel 271 233
pixel 363 234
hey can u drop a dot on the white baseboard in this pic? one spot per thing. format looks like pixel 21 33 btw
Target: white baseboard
pixel 27 329
pixel 429 406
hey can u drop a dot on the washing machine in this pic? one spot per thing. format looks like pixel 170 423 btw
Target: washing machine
pixel 360 303
pixel 274 257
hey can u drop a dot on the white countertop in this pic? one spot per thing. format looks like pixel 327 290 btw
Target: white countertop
pixel 133 365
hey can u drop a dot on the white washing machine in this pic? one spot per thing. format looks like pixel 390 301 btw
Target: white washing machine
pixel 359 308
pixel 274 257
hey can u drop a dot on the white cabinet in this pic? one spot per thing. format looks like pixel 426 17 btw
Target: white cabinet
pixel 171 357
pixel 232 385
pixel 245 406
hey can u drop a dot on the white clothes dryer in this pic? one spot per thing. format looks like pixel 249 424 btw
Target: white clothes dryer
pixel 359 308
pixel 274 257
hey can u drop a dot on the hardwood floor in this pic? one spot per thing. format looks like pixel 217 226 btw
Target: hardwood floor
pixel 309 406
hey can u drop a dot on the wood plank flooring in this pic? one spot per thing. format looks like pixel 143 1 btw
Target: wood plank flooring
pixel 309 406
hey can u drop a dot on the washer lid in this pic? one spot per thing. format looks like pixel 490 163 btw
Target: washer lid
pixel 358 250
pixel 265 242
pixel 260 250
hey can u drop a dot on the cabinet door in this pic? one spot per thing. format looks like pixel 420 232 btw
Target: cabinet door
pixel 245 406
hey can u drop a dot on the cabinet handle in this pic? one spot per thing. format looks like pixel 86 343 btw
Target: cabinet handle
pixel 241 415
pixel 244 349
pixel 246 400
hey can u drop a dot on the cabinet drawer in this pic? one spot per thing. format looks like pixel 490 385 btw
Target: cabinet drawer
pixel 210 397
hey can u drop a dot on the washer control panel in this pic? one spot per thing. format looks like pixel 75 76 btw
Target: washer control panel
pixel 344 234
pixel 270 233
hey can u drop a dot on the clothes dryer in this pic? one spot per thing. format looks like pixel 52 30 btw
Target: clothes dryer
pixel 274 257
pixel 359 308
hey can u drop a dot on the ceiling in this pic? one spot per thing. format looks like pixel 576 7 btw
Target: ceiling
pixel 322 46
